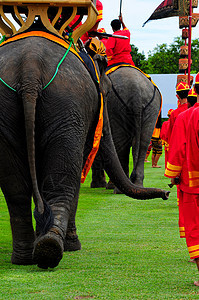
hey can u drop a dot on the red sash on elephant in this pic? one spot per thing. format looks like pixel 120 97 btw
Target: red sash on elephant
pixel 65 44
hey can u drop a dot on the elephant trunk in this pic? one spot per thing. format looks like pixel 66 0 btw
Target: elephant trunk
pixel 116 173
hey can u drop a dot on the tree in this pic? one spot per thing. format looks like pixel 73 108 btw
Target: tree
pixel 164 59
pixel 137 57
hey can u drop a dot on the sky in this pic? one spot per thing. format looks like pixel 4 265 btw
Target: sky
pixel 135 13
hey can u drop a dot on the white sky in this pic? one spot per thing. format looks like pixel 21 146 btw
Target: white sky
pixel 135 13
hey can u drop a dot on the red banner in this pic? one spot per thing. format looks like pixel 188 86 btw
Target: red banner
pixel 170 8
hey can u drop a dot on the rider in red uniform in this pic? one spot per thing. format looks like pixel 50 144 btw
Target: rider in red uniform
pixel 119 50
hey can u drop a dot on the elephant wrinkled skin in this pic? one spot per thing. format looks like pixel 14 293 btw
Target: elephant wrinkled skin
pixel 43 135
pixel 133 105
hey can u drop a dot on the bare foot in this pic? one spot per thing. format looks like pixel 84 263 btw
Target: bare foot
pixel 146 161
pixel 196 283
pixel 155 166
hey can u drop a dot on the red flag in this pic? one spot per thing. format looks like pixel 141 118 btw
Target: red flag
pixel 170 8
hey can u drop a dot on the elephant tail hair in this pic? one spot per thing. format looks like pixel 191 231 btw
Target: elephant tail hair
pixel 43 214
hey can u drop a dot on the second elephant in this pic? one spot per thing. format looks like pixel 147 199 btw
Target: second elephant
pixel 134 103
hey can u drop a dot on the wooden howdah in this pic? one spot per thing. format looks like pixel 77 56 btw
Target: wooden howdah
pixel 53 15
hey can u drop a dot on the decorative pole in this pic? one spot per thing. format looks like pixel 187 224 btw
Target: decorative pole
pixel 189 41
pixel 187 22
pixel 120 7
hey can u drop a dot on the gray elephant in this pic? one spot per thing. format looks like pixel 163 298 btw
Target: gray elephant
pixel 133 105
pixel 46 136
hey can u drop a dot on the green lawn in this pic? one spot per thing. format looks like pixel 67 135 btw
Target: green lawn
pixel 130 250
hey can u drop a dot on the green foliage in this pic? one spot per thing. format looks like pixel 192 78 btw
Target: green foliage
pixel 130 250
pixel 164 59
pixel 138 58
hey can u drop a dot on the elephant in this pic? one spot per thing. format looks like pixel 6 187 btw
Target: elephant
pixel 45 138
pixel 133 105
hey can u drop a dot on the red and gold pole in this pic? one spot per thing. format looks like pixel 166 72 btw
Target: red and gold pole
pixel 189 41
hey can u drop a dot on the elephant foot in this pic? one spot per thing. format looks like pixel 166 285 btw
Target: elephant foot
pixel 21 259
pixel 110 185
pixel 48 250
pixel 98 184
pixel 117 191
pixel 71 242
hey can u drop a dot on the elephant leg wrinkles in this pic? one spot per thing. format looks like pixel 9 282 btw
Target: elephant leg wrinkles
pixel 17 190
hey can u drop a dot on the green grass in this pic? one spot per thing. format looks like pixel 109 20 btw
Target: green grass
pixel 130 250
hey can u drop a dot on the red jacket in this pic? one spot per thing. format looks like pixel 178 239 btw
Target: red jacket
pixel 163 133
pixel 193 149
pixel 118 50
pixel 177 161
pixel 174 114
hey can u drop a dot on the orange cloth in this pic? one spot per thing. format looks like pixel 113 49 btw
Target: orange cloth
pixel 118 50
pixel 96 143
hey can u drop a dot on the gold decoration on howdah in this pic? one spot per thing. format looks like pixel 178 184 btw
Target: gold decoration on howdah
pixel 49 13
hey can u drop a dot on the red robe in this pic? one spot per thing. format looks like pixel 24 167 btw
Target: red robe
pixel 164 138
pixel 174 114
pixel 177 164
pixel 191 205
pixel 193 149
pixel 118 50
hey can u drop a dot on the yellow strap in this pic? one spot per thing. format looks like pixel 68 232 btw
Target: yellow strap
pixel 45 35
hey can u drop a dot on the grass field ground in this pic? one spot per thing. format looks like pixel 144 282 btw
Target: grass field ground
pixel 130 250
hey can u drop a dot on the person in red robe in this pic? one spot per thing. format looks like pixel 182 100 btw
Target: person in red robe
pixel 191 204
pixel 99 6
pixel 177 164
pixel 182 90
pixel 85 37
pixel 119 50
pixel 164 136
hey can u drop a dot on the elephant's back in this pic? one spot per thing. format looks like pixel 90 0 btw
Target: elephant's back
pixel 37 52
pixel 132 83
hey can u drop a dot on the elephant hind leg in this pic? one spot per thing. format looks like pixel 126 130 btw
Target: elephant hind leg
pixel 71 241
pixel 98 174
pixel 17 188
pixel 48 250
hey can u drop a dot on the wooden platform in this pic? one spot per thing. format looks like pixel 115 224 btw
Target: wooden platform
pixel 54 15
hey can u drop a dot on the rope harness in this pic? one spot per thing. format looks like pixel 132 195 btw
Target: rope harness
pixel 57 68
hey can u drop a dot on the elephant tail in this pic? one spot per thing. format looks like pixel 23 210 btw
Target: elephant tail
pixel 42 213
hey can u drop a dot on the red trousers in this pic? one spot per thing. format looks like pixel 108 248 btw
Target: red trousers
pixel 191 223
pixel 180 195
